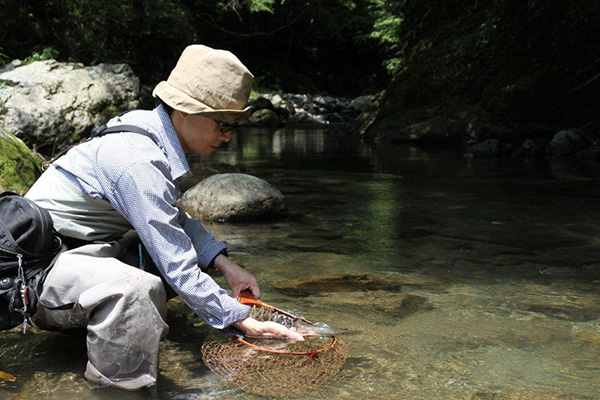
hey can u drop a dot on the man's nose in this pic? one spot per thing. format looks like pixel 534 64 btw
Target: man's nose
pixel 226 137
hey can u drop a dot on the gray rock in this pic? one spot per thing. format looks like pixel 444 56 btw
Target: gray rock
pixel 591 153
pixel 435 130
pixel 568 142
pixel 290 108
pixel 532 148
pixel 489 148
pixel 364 103
pixel 276 100
pixel 260 103
pixel 233 197
pixel 54 104
pixel 265 117
pixel 313 109
pixel 282 112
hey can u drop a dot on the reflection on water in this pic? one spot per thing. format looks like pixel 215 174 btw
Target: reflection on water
pixel 482 275
pixel 298 142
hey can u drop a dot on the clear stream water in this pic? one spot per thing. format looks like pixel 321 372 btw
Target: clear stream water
pixel 482 276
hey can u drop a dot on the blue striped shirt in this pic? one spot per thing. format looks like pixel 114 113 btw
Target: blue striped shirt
pixel 139 177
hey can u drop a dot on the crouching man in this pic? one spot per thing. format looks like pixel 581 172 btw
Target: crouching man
pixel 124 181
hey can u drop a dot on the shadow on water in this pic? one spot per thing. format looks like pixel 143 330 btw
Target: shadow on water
pixel 468 279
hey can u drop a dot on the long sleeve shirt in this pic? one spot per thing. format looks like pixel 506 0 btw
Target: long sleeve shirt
pixel 137 178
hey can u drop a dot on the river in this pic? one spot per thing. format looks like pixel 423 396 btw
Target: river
pixel 475 279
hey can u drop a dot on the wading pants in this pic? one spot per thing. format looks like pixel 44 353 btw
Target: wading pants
pixel 123 308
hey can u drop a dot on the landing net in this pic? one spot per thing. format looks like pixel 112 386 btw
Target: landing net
pixel 275 367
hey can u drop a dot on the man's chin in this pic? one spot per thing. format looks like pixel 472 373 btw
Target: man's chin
pixel 205 152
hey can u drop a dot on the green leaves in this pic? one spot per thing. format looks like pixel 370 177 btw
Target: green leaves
pixel 315 44
pixel 262 6
pixel 47 54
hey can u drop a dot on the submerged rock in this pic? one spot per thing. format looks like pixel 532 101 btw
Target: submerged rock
pixel 383 306
pixel 336 283
pixel 234 197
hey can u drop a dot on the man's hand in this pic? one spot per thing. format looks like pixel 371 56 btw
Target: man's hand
pixel 252 327
pixel 237 277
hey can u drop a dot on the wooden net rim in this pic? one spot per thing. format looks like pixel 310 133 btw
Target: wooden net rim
pixel 310 353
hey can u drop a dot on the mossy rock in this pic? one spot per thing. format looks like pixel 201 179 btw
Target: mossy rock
pixel 19 167
pixel 265 117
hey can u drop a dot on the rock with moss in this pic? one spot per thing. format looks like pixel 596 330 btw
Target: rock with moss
pixel 234 197
pixel 265 117
pixel 51 105
pixel 19 167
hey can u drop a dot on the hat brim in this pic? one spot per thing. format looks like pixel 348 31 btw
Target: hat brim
pixel 179 100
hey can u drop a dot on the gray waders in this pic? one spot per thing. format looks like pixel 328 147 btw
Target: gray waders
pixel 122 307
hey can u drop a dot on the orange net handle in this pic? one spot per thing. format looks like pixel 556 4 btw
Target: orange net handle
pixel 311 353
pixel 249 300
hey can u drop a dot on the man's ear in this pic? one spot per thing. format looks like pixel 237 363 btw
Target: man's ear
pixel 182 114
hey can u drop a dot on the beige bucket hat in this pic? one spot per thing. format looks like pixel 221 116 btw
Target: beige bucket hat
pixel 210 82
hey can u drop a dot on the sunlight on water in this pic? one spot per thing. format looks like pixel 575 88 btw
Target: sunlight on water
pixel 467 279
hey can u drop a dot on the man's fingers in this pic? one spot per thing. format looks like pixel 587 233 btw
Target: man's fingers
pixel 282 331
pixel 255 291
pixel 252 288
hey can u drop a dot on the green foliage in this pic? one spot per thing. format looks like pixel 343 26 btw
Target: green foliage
pixel 147 34
pixel 328 45
pixel 261 5
pixel 386 31
pixel 479 37
pixel 47 54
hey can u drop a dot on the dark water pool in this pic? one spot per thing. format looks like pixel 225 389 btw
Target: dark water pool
pixel 477 279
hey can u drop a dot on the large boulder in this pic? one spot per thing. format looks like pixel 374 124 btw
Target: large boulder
pixel 233 197
pixel 50 105
pixel 19 167
pixel 568 142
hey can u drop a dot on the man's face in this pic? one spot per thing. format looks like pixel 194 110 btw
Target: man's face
pixel 197 134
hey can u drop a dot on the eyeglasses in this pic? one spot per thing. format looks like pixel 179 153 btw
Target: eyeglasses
pixel 225 127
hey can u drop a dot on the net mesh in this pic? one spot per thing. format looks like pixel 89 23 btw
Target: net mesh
pixel 275 368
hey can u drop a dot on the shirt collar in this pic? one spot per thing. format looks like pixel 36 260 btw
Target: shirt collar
pixel 180 168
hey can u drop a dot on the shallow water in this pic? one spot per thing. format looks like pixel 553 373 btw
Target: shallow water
pixel 481 278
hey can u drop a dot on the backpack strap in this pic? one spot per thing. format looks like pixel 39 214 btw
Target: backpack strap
pixel 104 130
pixel 101 131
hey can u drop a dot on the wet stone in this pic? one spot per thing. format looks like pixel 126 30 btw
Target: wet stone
pixel 384 307
pixel 388 308
pixel 234 197
pixel 336 283
pixel 564 312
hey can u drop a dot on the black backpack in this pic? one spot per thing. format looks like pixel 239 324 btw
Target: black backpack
pixel 29 247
